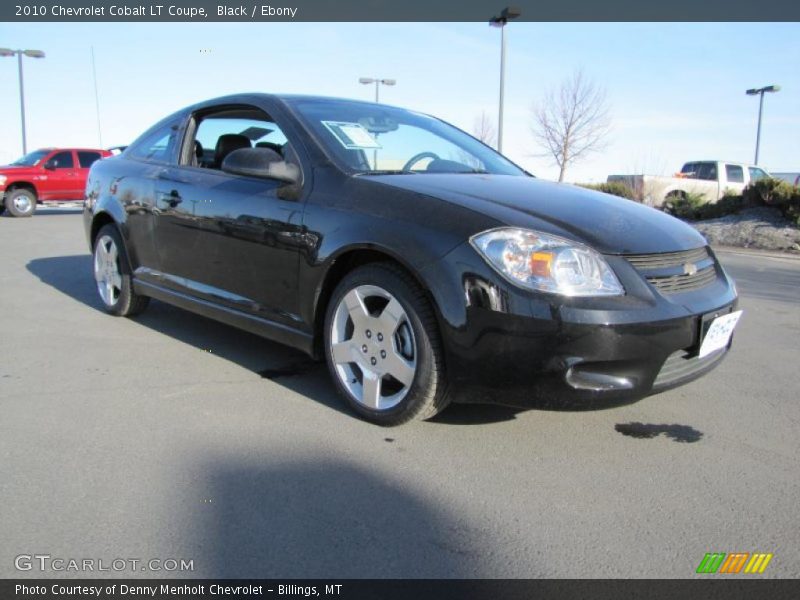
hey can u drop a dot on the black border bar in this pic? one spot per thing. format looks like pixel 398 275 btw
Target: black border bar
pixel 743 587
pixel 396 10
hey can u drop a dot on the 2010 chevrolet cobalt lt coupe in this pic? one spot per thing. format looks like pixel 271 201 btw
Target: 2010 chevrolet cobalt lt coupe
pixel 422 265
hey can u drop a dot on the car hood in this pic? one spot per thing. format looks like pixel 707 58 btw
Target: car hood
pixel 609 224
pixel 15 169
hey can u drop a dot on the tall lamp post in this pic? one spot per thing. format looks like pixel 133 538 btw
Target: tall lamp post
pixel 508 13
pixel 378 83
pixel 20 53
pixel 760 92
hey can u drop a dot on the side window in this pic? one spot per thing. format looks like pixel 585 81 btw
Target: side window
pixel 756 174
pixel 734 173
pixel 689 169
pixel 86 159
pixel 707 171
pixel 62 160
pixel 155 146
pixel 219 134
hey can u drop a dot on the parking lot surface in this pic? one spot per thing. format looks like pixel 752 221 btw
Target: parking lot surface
pixel 169 436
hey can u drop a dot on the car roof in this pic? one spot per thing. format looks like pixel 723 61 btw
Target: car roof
pixel 51 149
pixel 249 97
pixel 726 162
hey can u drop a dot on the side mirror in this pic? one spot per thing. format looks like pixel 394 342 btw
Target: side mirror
pixel 260 162
pixel 50 165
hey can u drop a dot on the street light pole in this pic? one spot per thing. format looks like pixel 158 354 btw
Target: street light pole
pixel 19 53
pixel 22 104
pixel 378 82
pixel 760 92
pixel 508 13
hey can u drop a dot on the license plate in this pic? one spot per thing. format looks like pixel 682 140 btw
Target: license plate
pixel 719 333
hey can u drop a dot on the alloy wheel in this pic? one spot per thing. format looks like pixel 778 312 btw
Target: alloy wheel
pixel 106 270
pixel 373 347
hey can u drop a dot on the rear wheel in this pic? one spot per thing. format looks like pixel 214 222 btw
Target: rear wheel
pixel 382 346
pixel 112 274
pixel 20 202
pixel 673 202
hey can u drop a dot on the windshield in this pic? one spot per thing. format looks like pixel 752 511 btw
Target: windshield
pixel 31 159
pixel 374 139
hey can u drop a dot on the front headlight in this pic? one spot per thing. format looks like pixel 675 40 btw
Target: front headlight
pixel 547 263
pixel 3 179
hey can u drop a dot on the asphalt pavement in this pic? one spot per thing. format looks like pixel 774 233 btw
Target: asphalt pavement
pixel 170 436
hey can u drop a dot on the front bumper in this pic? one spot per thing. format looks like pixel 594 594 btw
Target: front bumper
pixel 509 346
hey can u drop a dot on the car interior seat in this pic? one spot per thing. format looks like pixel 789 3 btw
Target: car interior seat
pixel 271 145
pixel 197 157
pixel 227 143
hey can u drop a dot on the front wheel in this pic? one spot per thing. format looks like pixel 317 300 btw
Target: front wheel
pixel 382 346
pixel 112 274
pixel 20 202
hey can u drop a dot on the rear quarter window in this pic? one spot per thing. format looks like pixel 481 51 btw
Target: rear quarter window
pixel 734 173
pixel 87 159
pixel 157 144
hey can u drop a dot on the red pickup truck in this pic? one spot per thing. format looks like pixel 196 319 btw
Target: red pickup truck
pixel 46 175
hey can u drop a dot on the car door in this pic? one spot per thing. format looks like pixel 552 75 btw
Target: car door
pixel 734 175
pixel 140 169
pixel 60 178
pixel 229 239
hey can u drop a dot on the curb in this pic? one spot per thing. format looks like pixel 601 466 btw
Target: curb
pixel 791 256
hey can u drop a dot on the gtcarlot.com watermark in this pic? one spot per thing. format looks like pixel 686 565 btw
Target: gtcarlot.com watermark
pixel 46 563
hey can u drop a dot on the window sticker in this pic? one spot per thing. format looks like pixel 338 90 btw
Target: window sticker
pixel 352 136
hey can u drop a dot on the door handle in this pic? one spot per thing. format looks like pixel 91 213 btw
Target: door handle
pixel 172 199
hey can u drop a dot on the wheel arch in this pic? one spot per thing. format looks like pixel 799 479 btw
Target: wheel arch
pixel 99 221
pixel 26 185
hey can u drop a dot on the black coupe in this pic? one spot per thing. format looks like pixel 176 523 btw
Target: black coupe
pixel 422 265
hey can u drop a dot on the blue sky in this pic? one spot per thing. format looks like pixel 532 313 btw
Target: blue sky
pixel 676 91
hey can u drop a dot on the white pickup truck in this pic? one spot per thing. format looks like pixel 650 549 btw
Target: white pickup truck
pixel 708 178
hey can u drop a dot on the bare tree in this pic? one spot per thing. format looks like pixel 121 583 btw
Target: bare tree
pixel 572 121
pixel 483 128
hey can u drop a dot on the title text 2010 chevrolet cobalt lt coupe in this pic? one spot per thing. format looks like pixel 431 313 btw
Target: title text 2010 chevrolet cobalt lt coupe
pixel 422 265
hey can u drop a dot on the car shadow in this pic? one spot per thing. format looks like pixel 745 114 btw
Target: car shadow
pixel 46 212
pixel 476 414
pixel 60 210
pixel 294 370
pixel 323 517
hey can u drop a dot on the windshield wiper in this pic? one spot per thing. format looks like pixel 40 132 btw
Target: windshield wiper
pixel 387 172
pixel 469 172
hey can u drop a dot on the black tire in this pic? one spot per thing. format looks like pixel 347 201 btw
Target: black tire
pixel 125 302
pixel 20 202
pixel 427 395
pixel 672 202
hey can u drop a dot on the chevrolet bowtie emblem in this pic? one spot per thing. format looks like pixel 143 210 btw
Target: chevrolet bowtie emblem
pixel 690 268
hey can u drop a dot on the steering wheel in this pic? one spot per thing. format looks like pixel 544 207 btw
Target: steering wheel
pixel 418 157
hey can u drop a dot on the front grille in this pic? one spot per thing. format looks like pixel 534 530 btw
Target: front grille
pixel 684 283
pixel 667 272
pixel 667 259
pixel 682 365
